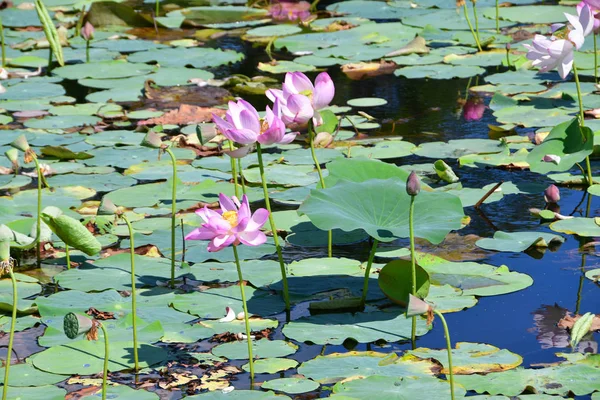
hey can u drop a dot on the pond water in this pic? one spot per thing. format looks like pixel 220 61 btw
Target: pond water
pixel 180 339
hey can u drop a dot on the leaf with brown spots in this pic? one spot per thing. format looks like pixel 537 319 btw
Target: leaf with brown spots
pixel 186 114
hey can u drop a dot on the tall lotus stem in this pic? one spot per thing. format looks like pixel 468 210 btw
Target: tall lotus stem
pixel 582 123
pixel 363 299
pixel 449 346
pixel 471 28
pixel 68 255
pixel 311 135
pixel 245 307
pixel 476 19
pixel 133 302
pixel 106 355
pixel 157 8
pixel 173 212
pixel 286 294
pixel 239 165
pixel 413 187
pixel 497 16
pixel 2 44
pixel 87 51
pixel 595 58
pixel 38 227
pixel 7 266
pixel 234 172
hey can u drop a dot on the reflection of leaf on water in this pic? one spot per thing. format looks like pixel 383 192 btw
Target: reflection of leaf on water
pixel 549 334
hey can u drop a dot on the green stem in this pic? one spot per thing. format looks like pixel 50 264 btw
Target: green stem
pixel 133 290
pixel 595 59
pixel 157 8
pixel 311 135
pixel 476 20
pixel 87 51
pixel 413 334
pixel 239 164
pixel 173 213
pixel 449 346
pixel 246 315
pixel 582 122
pixel 497 16
pixel 234 172
pixel 261 167
pixel 363 299
pixel 3 44
pixel 38 228
pixel 106 355
pixel 471 27
pixel 68 255
pixel 11 336
pixel 508 58
pixel 49 69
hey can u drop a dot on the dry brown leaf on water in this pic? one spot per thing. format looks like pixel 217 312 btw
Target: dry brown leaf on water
pixel 186 114
pixel 362 70
pixel 568 321
pixel 100 315
pixel 175 379
pixel 83 392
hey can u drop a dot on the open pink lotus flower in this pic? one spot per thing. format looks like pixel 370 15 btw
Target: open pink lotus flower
pixel 289 10
pixel 595 12
pixel 233 224
pixel 301 100
pixel 551 53
pixel 243 125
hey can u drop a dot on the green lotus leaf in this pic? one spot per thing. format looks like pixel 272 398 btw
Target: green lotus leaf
pixel 389 387
pixel 123 392
pixel 34 393
pixel 518 241
pixel 291 385
pixel 263 348
pixel 586 227
pixel 271 365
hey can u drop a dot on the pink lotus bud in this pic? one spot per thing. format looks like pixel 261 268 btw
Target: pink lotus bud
pixel 413 184
pixel 552 194
pixel 551 158
pixel 87 32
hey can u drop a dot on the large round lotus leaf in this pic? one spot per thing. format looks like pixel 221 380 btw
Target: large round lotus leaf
pixel 125 157
pixel 483 59
pixel 23 323
pixel 120 331
pixel 258 272
pixel 376 9
pixel 16 18
pixel 238 395
pixel 521 77
pixel 211 303
pixel 13 182
pixel 178 76
pixel 438 71
pixel 447 299
pixel 395 280
pixel 158 170
pixel 134 82
pixel 452 20
pixel 458 148
pixel 26 287
pixel 34 393
pixel 197 57
pixel 473 278
pixel 104 70
pixel 286 175
pixel 274 30
pixel 303 157
pixel 115 95
pixel 363 327
pixel 417 59
pixel 359 170
pixel 518 241
pixel 99 182
pixel 23 375
pixel 123 392
pixel 318 61
pixel 271 365
pixel 389 387
pixel 264 348
pixel 61 121
pixel 87 357
pixel 380 207
pixel 190 333
pixel 531 14
pixel 114 273
pixel 541 112
pixel 472 358
pixel 577 378
pixel 112 138
pixel 127 46
pixel 587 227
pixel 32 91
pixel 564 141
pixel 337 366
pixel 382 150
pixel 291 385
pixel 367 102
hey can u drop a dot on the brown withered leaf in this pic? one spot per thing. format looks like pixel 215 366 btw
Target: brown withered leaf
pixel 357 71
pixel 186 114
pixel 100 315
pixel 568 321
pixel 172 96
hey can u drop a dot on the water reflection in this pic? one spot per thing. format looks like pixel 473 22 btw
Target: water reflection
pixel 550 335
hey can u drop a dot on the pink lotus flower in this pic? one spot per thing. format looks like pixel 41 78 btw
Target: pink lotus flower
pixel 551 53
pixel 289 10
pixel 473 109
pixel 580 26
pixel 552 194
pixel 300 100
pixel 595 11
pixel 243 125
pixel 233 224
pixel 87 32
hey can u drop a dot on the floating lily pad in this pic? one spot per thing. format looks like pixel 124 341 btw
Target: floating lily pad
pixel 438 71
pixel 518 241
pixel 282 67
pixel 414 388
pixel 260 349
pixel 197 57
pixel 586 227
pixel 104 70
pixel 24 375
pixel 34 393
pixel 271 365
pixel 531 14
pixel 366 102
pixel 123 392
pixel 291 385
pixel 458 148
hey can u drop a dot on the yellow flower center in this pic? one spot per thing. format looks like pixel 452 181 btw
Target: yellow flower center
pixel 231 217
pixel 308 93
pixel 264 125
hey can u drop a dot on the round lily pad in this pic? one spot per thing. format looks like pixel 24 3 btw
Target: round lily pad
pixel 367 102
pixel 291 385
pixel 263 348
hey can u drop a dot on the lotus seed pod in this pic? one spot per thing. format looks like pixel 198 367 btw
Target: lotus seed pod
pixel 152 140
pixel 413 184
pixel 552 194
pixel 87 32
pixel 75 325
pixel 20 143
